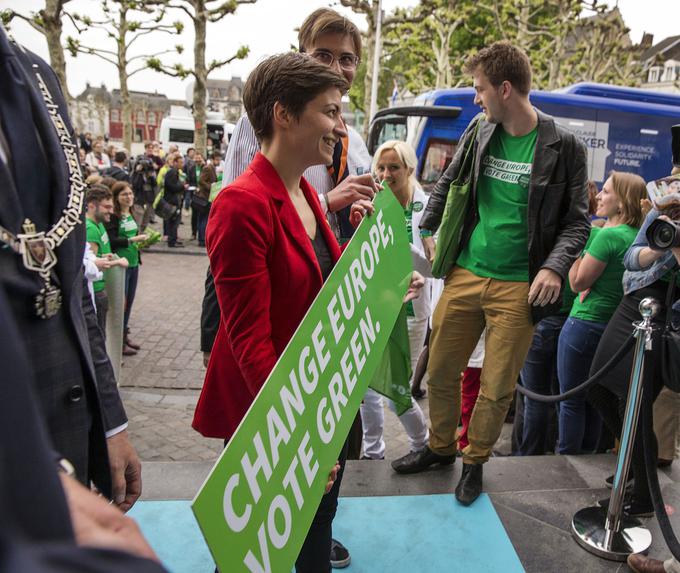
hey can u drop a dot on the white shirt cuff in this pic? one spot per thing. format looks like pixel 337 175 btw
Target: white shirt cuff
pixel 117 430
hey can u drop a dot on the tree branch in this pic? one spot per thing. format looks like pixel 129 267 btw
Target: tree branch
pixel 29 20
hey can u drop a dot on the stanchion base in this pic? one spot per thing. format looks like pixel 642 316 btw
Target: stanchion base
pixel 587 527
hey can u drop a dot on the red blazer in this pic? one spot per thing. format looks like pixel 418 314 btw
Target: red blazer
pixel 266 277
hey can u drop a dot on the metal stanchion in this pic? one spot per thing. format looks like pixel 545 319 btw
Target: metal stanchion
pixel 606 532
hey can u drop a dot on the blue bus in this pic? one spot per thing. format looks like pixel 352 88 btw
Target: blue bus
pixel 624 129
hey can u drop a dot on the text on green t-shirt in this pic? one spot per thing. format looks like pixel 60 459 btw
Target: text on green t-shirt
pixel 127 229
pixel 498 246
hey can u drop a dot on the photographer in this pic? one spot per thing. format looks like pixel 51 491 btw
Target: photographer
pixel 648 272
pixel 144 188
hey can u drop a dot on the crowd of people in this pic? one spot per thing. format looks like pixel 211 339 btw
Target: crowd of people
pixel 540 285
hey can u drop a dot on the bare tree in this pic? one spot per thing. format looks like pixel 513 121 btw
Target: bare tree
pixel 201 13
pixel 48 22
pixel 124 22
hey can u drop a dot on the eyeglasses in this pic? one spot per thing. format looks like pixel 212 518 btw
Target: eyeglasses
pixel 346 61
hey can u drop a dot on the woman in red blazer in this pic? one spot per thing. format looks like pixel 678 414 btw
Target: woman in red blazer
pixel 270 250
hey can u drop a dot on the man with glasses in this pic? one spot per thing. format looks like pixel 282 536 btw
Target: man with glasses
pixel 336 42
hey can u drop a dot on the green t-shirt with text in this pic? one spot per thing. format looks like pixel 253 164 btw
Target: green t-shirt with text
pixel 498 246
pixel 96 233
pixel 128 229
pixel 607 245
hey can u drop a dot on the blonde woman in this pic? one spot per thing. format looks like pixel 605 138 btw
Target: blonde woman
pixel 394 162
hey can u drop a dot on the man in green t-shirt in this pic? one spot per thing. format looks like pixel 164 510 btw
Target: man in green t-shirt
pixel 99 208
pixel 526 222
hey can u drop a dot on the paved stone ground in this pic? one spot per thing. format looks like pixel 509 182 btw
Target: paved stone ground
pixel 160 385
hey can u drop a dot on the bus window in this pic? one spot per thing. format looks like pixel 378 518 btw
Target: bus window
pixel 181 135
pixel 437 158
pixel 392 131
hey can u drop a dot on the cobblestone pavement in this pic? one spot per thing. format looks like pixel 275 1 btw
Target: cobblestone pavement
pixel 160 385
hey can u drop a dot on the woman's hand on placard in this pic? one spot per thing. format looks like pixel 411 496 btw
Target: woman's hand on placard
pixel 417 283
pixel 332 477
pixel 359 210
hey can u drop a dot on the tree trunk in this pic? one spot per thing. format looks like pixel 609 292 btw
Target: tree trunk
pixel 201 76
pixel 126 106
pixel 371 19
pixel 51 16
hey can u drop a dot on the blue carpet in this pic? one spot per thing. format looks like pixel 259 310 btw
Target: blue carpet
pixel 405 534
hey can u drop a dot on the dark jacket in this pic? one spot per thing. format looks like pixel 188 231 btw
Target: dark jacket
pixel 117 173
pixel 173 188
pixel 73 376
pixel 36 535
pixel 557 214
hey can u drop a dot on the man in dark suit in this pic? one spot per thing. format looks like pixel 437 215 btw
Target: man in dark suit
pixel 43 239
pixel 39 531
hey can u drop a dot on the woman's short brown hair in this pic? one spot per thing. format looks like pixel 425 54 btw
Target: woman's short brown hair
pixel 630 189
pixel 326 21
pixel 291 79
pixel 500 62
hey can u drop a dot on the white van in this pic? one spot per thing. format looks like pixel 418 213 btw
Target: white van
pixel 179 129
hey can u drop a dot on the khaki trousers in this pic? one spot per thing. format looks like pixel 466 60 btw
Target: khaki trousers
pixel 469 304
pixel 667 423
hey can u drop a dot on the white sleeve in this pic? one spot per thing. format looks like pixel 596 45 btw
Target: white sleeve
pixel 242 148
pixel 92 273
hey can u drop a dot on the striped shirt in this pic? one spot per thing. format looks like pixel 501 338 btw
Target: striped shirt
pixel 243 146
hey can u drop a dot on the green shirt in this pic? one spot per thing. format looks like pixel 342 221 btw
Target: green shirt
pixel 607 245
pixel 96 233
pixel 498 247
pixel 128 229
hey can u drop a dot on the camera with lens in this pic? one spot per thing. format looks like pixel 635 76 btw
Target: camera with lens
pixel 662 235
pixel 145 166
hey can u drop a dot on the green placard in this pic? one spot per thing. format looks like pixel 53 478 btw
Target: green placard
pixel 257 504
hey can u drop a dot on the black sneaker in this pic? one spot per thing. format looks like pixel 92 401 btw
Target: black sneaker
pixel 419 461
pixel 609 482
pixel 632 507
pixel 340 557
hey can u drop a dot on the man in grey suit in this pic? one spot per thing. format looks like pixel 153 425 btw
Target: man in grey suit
pixel 42 236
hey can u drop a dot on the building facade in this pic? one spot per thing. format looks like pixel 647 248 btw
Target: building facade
pixel 662 66
pixel 100 112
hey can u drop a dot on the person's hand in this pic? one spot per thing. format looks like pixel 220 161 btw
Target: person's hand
pixel 359 209
pixel 417 283
pixel 206 359
pixel 545 289
pixel 126 470
pixel 352 189
pixel 332 477
pixel 103 263
pixel 429 248
pixel 98 524
pixel 139 238
pixel 122 262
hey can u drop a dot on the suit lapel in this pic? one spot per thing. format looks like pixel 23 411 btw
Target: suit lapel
pixel 545 159
pixel 54 153
pixel 290 220
pixel 10 213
